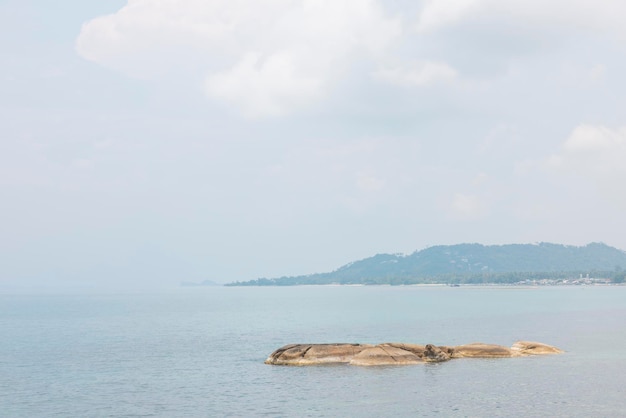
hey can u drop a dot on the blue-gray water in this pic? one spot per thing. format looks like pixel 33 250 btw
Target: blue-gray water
pixel 200 351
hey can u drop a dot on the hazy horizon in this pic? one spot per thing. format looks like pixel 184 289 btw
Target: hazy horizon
pixel 148 143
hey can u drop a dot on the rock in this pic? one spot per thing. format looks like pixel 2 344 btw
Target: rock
pixel 309 354
pixel 435 354
pixel 398 353
pixel 481 350
pixel 429 352
pixel 384 354
pixel 533 348
pixel 413 348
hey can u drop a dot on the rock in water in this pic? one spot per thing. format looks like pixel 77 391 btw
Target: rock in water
pixel 385 354
pixel 309 354
pixel 398 353
pixel 534 348
pixel 481 350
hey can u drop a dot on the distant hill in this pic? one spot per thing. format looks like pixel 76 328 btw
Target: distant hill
pixel 470 263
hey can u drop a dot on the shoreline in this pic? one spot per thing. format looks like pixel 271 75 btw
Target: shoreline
pixel 437 285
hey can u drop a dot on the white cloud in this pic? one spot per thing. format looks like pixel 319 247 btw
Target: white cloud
pixel 438 13
pixel 601 15
pixel 265 56
pixel 273 57
pixel 417 74
pixel 597 73
pixel 596 154
pixel 586 139
pixel 480 179
pixel 369 183
pixel 265 87
pixel 467 207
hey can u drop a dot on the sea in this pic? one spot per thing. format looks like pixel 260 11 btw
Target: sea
pixel 199 352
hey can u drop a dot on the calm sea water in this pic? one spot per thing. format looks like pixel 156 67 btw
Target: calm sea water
pixel 200 351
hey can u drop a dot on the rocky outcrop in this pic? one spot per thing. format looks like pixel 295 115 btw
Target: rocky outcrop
pixel 385 354
pixel 308 354
pixel 398 353
pixel 481 350
pixel 428 352
pixel 530 348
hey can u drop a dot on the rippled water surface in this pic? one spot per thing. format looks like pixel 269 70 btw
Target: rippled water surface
pixel 200 352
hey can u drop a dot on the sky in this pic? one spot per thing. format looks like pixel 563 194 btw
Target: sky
pixel 146 143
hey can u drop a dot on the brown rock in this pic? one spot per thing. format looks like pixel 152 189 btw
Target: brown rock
pixel 310 354
pixel 433 354
pixel 384 354
pixel 398 353
pixel 533 348
pixel 417 349
pixel 481 350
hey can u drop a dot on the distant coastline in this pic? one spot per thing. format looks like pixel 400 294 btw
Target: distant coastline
pixel 443 285
pixel 542 264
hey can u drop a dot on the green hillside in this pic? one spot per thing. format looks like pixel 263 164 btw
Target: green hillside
pixel 471 263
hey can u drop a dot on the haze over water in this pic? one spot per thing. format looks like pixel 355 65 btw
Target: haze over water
pixel 200 352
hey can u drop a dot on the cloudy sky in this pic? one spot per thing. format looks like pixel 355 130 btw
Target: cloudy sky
pixel 148 142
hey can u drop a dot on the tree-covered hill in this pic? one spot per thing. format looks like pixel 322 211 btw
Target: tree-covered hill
pixel 470 263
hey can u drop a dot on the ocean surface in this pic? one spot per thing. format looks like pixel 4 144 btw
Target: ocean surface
pixel 199 352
